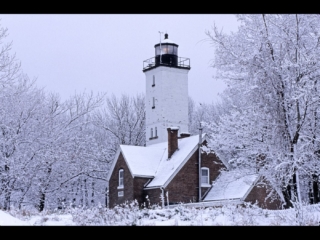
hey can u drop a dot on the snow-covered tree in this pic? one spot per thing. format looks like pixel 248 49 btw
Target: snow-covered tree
pixel 123 119
pixel 48 148
pixel 271 65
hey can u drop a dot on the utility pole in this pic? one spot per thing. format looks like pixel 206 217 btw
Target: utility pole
pixel 199 148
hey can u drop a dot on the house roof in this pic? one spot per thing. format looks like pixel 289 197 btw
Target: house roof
pixel 231 185
pixel 152 161
pixel 167 169
pixel 143 161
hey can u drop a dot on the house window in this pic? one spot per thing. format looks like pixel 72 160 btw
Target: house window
pixel 155 132
pixel 151 133
pixel 120 178
pixel 205 176
pixel 153 81
pixel 153 102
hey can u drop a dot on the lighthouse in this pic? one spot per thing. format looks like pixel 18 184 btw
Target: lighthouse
pixel 166 92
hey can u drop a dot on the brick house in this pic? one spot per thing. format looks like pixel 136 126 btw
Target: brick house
pixel 169 169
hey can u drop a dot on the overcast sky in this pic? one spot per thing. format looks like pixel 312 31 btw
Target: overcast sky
pixel 71 53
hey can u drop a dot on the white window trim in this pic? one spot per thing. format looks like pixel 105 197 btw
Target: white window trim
pixel 121 186
pixel 207 184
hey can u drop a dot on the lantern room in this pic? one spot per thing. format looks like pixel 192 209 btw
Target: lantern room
pixel 166 54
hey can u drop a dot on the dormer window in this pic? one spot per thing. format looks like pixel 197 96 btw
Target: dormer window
pixel 153 81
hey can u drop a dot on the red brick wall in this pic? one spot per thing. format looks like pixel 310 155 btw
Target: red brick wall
pixel 259 193
pixel 138 192
pixel 154 195
pixel 184 186
pixel 133 187
pixel 114 182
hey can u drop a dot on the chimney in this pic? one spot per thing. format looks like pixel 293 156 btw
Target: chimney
pixel 172 140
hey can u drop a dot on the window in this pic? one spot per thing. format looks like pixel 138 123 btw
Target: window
pixel 153 102
pixel 120 178
pixel 153 81
pixel 205 176
pixel 153 135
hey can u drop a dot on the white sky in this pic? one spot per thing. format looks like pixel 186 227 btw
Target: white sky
pixel 70 53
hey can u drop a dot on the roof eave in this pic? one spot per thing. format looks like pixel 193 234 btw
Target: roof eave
pixel 143 176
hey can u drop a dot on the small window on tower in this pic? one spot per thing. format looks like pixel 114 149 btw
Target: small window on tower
pixel 153 135
pixel 153 81
pixel 153 102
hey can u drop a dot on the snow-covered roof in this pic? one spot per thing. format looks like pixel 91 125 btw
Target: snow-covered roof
pixel 143 161
pixel 167 169
pixel 231 185
pixel 167 41
pixel 152 161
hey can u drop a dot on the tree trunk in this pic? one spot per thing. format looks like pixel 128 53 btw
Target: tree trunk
pixel 315 188
pixel 92 194
pixel 86 193
pixel 42 201
pixel 7 199
pixel 287 196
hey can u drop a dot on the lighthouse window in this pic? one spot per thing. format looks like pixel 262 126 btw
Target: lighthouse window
pixel 175 50
pixel 153 81
pixel 151 133
pixel 166 49
pixel 155 132
pixel 153 103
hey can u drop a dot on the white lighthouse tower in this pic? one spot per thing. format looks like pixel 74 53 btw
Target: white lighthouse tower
pixel 166 92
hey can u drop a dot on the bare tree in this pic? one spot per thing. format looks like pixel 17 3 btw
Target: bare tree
pixel 123 119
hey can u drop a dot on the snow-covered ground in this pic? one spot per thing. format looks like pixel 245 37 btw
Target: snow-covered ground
pixel 181 215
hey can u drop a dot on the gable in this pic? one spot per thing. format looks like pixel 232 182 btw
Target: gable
pixel 116 157
pixel 168 169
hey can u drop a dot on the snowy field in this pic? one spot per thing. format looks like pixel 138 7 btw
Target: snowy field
pixel 130 214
